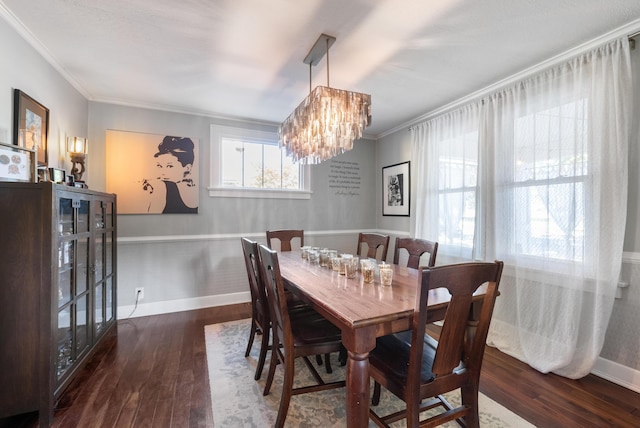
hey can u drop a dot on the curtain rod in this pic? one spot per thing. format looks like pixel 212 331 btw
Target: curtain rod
pixel 632 41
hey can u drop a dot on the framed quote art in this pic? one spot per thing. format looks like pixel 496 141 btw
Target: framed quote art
pixel 30 125
pixel 396 192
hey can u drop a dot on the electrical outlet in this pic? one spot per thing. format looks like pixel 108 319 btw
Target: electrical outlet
pixel 139 293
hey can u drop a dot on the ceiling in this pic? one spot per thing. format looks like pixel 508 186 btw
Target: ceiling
pixel 244 58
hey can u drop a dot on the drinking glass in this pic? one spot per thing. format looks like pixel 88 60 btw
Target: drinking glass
pixel 368 269
pixel 350 267
pixel 305 252
pixel 313 256
pixel 386 275
pixel 324 257
pixel 335 263
pixel 346 258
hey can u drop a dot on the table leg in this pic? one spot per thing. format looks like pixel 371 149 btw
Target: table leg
pixel 358 390
pixel 358 344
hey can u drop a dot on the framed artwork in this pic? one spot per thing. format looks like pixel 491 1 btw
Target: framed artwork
pixel 17 163
pixel 30 125
pixel 152 173
pixel 396 189
pixel 57 175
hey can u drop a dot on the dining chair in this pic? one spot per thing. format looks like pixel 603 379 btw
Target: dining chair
pixel 260 321
pixel 373 242
pixel 415 248
pixel 415 367
pixel 286 238
pixel 299 338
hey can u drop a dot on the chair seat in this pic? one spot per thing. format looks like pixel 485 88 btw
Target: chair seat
pixel 392 353
pixel 312 329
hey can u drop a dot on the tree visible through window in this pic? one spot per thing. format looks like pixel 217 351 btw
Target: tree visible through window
pixel 256 165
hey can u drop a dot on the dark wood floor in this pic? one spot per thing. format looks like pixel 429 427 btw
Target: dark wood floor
pixel 155 375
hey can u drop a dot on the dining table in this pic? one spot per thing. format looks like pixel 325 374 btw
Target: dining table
pixel 362 311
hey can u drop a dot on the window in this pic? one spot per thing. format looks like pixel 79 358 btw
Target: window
pixel 549 179
pixel 250 163
pixel 458 169
pixel 448 180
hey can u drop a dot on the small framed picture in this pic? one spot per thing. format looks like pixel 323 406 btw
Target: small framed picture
pixel 17 163
pixel 396 189
pixel 57 175
pixel 43 174
pixel 30 125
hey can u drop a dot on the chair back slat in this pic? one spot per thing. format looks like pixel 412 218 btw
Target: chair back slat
pixel 285 236
pixel 415 249
pixel 256 285
pixel 279 314
pixel 373 242
pixel 458 343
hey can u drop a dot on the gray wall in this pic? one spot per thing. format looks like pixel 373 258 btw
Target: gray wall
pixel 22 67
pixel 181 256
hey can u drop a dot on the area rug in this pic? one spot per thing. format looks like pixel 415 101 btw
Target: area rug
pixel 237 398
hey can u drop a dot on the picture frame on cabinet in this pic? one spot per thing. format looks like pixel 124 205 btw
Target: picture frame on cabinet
pixel 30 125
pixel 396 189
pixel 57 175
pixel 43 174
pixel 17 163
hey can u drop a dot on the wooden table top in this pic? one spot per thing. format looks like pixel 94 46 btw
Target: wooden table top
pixel 352 302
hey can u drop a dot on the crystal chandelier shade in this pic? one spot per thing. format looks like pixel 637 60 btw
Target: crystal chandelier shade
pixel 327 121
pixel 325 124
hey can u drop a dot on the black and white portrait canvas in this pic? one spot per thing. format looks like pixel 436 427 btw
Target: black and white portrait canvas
pixel 152 173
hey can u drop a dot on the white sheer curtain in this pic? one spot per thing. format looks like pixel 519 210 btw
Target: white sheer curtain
pixel 551 202
pixel 446 178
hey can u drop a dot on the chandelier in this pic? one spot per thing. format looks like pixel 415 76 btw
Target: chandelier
pixel 328 120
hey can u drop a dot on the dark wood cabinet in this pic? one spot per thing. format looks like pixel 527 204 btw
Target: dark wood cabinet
pixel 57 289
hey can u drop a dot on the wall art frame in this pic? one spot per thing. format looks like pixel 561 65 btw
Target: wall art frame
pixel 17 163
pixel 153 173
pixel 30 125
pixel 396 189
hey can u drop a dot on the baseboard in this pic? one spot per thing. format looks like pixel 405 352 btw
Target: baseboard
pixel 618 374
pixel 165 307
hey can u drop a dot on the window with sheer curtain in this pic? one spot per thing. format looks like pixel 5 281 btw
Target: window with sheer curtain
pixel 550 173
pixel 449 210
pixel 542 185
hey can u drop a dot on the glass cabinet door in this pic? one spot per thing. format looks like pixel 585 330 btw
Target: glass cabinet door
pixel 81 324
pixel 65 272
pixel 104 239
pixel 83 215
pixel 66 214
pixel 74 271
pixel 65 343
pixel 84 294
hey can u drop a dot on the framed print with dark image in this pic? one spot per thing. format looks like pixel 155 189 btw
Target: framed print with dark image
pixel 396 189
pixel 30 125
